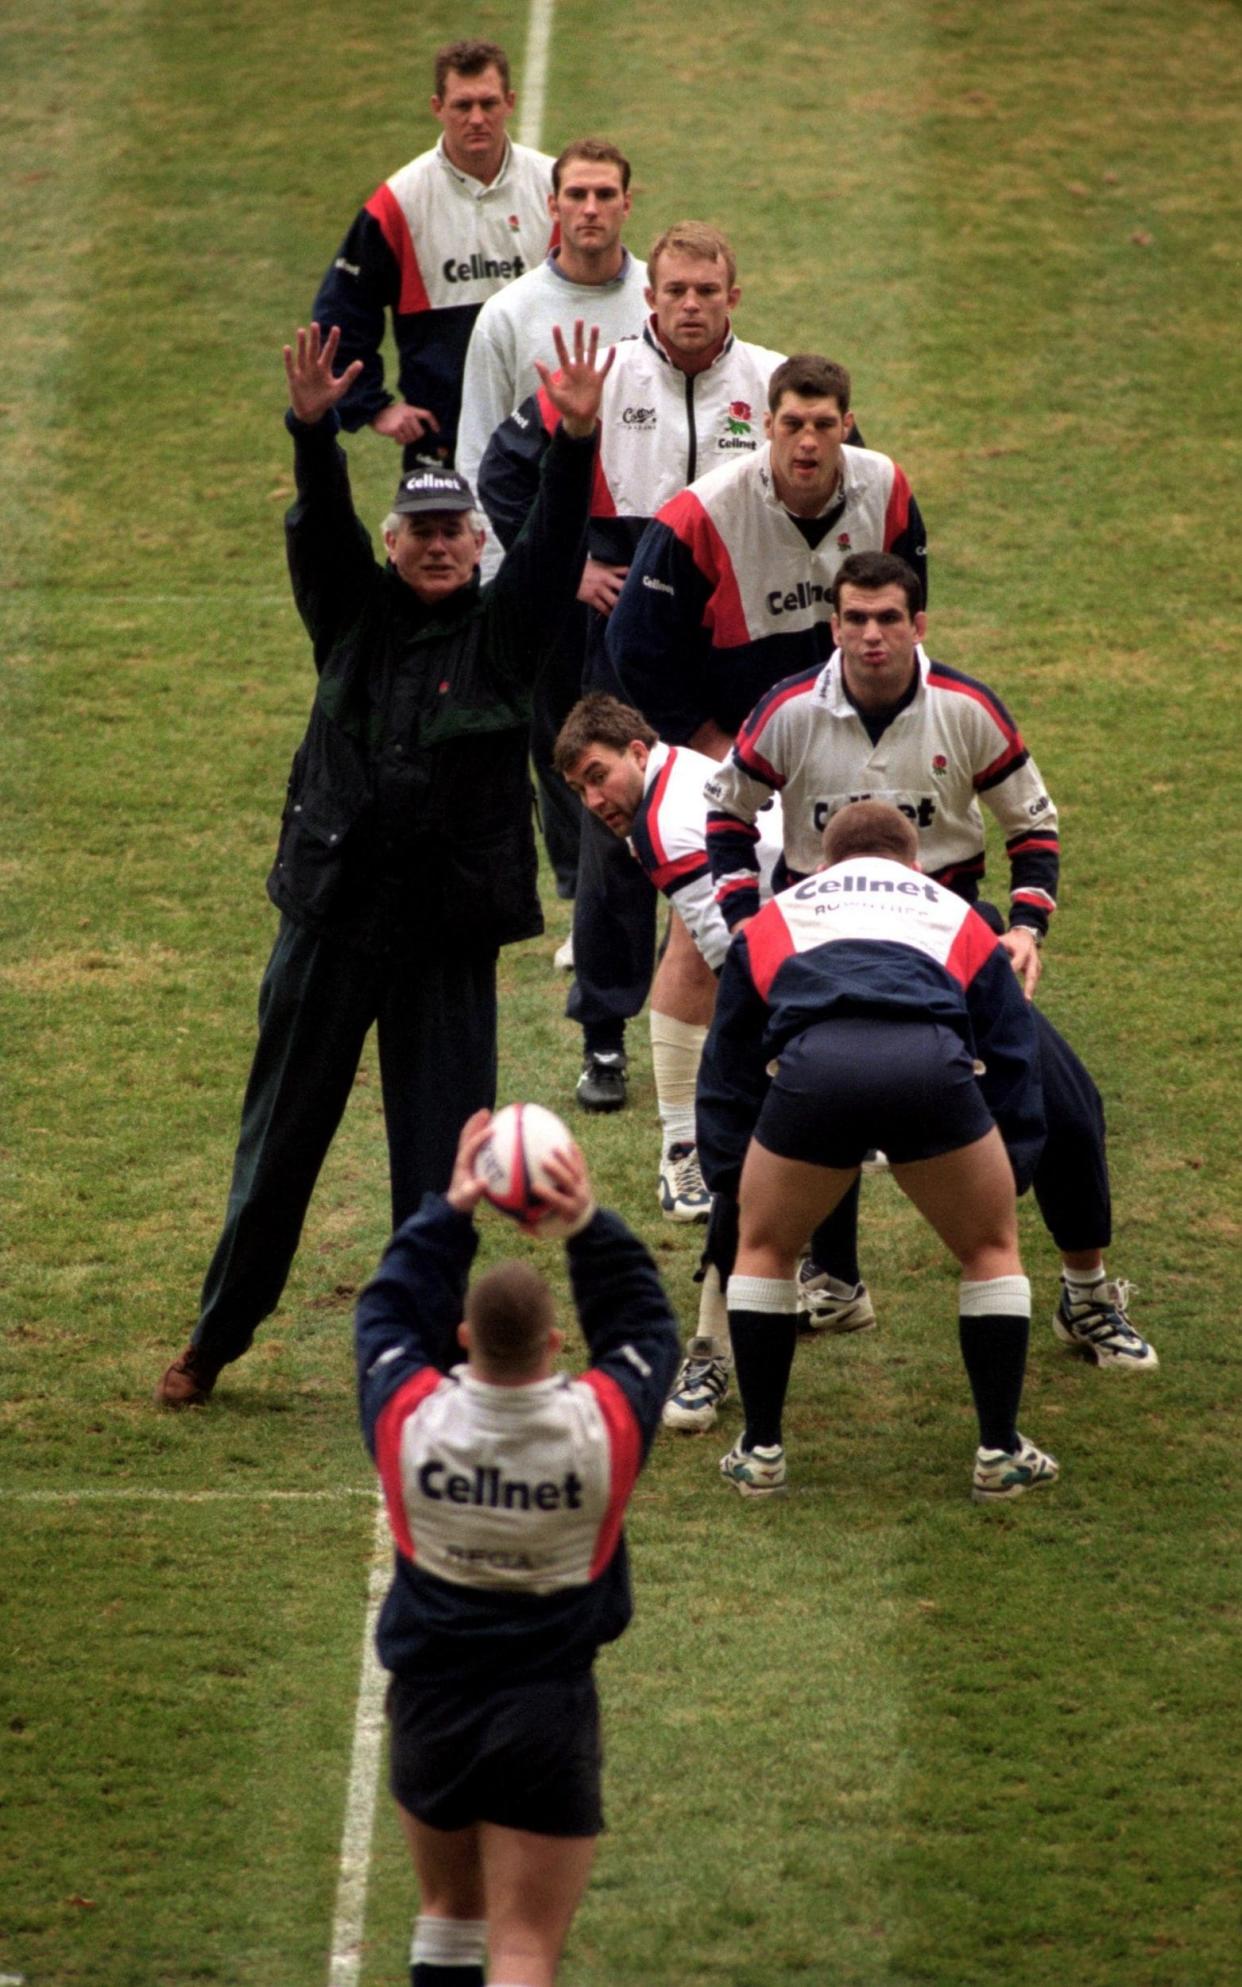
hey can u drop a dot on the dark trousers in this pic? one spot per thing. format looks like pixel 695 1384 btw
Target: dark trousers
pixel 557 689
pixel 436 1023
pixel 614 937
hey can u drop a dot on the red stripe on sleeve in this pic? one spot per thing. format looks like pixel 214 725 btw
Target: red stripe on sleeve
pixel 972 948
pixel 768 945
pixel 653 811
pixel 625 1455
pixel 724 617
pixel 603 503
pixel 897 515
pixel 389 1425
pixel 670 873
pixel 387 210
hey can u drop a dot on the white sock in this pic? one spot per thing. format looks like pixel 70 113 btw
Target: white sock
pixel 676 1047
pixel 1083 1279
pixel 713 1315
pixel 448 1941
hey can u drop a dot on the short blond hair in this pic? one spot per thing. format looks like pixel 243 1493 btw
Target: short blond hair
pixel 696 238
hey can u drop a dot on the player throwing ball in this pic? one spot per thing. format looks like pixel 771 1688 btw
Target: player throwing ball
pixel 869 1006
pixel 506 1484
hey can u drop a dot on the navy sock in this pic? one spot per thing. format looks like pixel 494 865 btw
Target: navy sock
pixel 426 1973
pixel 763 1348
pixel 994 1354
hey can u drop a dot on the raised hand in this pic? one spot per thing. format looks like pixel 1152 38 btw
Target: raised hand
pixel 576 388
pixel 465 1190
pixel 313 387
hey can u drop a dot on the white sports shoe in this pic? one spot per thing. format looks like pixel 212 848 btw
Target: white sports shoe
pixel 755 1472
pixel 999 1475
pixel 1098 1328
pixel 683 1196
pixel 701 1384
pixel 825 1304
pixel 563 957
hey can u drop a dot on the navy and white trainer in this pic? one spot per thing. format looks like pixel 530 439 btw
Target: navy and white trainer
pixel 683 1196
pixel 701 1384
pixel 826 1304
pixel 1096 1327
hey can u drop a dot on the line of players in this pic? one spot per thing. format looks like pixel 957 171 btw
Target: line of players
pixel 696 605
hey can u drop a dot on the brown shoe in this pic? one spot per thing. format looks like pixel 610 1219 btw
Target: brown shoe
pixel 188 1381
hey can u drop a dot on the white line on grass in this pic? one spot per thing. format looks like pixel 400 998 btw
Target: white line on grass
pixel 535 70
pixel 137 1491
pixel 364 1765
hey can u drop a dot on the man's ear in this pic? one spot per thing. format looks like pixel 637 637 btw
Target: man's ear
pixel 641 752
pixel 847 423
pixel 767 423
pixel 556 1341
pixel 463 1337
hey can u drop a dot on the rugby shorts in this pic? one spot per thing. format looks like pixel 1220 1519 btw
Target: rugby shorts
pixel 523 1755
pixel 842 1087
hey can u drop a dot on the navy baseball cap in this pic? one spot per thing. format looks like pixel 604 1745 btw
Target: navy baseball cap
pixel 424 490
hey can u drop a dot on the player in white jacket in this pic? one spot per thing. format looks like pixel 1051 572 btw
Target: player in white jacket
pixel 687 395
pixel 590 275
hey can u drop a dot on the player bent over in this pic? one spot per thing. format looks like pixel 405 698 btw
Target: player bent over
pixel 872 998
pixel 506 1484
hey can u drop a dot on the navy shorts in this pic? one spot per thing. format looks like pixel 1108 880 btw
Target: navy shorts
pixel 523 1756
pixel 905 1087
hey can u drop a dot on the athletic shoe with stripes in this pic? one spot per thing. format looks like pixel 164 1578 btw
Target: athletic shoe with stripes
pixel 683 1196
pixel 701 1384
pixel 755 1472
pixel 825 1304
pixel 1097 1327
pixel 999 1475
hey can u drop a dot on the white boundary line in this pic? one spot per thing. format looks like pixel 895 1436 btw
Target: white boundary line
pixel 109 1494
pixel 535 71
pixel 355 1860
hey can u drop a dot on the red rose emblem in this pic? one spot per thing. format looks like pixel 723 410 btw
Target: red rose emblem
pixel 843 541
pixel 740 410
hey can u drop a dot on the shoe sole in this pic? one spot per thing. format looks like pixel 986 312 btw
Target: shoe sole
pixel 685 1215
pixel 688 1421
pixel 1007 1492
pixel 597 1108
pixel 1104 1362
pixel 756 1489
pixel 807 1321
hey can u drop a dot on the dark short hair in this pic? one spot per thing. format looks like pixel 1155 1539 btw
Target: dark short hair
pixel 812 378
pixel 598 152
pixel 599 720
pixel 870 828
pixel 470 58
pixel 871 571
pixel 695 238
pixel 510 1312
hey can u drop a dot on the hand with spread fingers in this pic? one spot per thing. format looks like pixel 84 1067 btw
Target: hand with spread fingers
pixel 313 387
pixel 576 387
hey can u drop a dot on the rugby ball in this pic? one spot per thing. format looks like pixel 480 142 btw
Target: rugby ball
pixel 510 1165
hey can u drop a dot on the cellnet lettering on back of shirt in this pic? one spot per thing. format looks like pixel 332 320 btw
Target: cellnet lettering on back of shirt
pixel 488 1489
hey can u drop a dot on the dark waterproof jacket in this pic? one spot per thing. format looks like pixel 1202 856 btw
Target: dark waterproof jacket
pixel 409 810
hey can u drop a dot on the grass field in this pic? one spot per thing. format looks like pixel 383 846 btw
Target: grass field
pixel 873 1738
